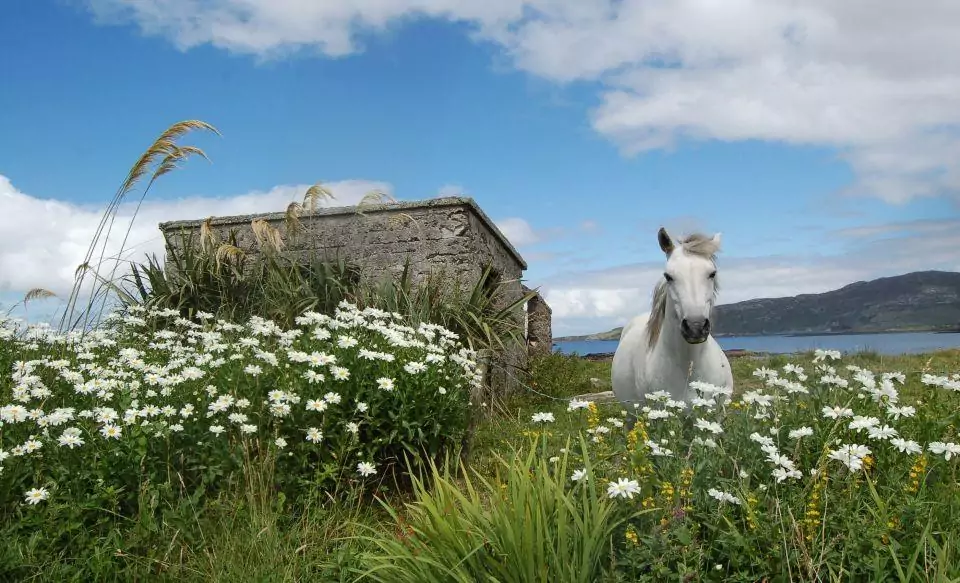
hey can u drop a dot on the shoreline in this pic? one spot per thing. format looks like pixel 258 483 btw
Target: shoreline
pixel 743 353
pixel 955 330
pixel 863 333
pixel 731 353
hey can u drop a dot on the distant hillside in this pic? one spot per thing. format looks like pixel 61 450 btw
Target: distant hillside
pixel 919 301
pixel 925 300
pixel 608 335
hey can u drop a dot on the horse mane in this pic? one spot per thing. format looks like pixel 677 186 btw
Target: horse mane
pixel 696 244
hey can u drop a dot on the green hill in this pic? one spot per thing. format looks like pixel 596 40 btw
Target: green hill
pixel 913 302
pixel 608 335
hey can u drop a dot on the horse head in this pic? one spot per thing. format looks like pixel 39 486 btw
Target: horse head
pixel 690 281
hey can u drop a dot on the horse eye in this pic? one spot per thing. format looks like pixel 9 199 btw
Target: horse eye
pixel 712 275
pixel 667 277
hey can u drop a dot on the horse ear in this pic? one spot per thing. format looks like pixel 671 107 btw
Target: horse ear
pixel 716 240
pixel 666 244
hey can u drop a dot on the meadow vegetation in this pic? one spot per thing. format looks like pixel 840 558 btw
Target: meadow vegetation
pixel 843 475
pixel 264 420
pixel 815 470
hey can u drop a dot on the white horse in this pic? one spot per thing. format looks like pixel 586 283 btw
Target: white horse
pixel 672 346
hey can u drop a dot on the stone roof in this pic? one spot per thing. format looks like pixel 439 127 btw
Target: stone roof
pixel 367 209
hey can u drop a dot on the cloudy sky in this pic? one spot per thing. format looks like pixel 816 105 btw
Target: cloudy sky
pixel 820 137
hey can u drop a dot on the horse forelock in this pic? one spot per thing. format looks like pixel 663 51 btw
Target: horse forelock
pixel 700 245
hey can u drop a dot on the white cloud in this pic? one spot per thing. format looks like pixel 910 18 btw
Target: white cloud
pixel 270 28
pixel 518 231
pixel 590 301
pixel 927 227
pixel 872 78
pixel 522 234
pixel 43 241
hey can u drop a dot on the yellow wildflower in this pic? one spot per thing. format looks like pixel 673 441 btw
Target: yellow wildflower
pixel 631 535
pixel 916 472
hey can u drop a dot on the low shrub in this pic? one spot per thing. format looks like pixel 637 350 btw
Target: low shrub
pixel 222 279
pixel 561 375
pixel 128 420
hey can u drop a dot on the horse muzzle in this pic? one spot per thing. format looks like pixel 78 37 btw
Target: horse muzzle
pixel 695 330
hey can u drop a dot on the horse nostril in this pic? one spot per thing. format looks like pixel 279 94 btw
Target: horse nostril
pixel 706 326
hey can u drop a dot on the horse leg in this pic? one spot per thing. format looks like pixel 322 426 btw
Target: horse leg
pixel 631 421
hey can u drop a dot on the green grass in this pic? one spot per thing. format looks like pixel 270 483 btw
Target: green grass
pixel 250 535
pixel 522 526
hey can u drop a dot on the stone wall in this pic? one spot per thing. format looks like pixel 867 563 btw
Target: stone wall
pixel 539 326
pixel 451 235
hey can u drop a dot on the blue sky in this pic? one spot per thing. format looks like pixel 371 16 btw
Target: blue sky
pixel 579 127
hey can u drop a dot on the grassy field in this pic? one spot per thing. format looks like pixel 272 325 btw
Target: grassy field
pixel 708 510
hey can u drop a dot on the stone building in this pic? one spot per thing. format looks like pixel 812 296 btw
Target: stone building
pixel 450 234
